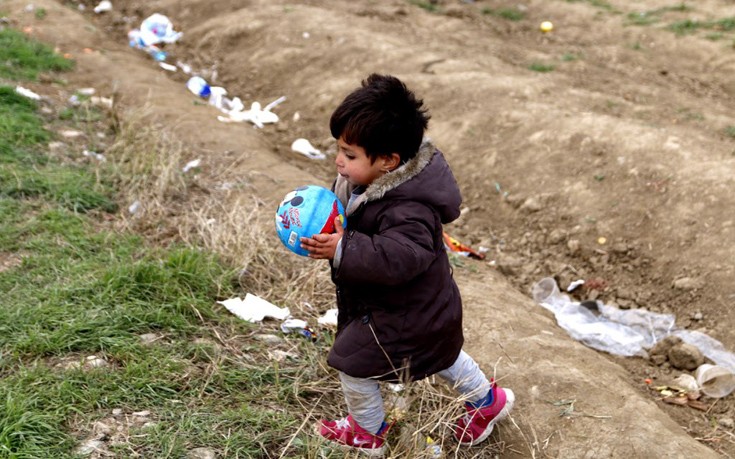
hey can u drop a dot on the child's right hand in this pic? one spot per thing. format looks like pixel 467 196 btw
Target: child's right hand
pixel 324 246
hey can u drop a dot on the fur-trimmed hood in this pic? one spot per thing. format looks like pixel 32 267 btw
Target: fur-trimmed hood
pixel 425 178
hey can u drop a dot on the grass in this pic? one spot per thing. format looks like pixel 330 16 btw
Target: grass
pixel 541 67
pixel 730 131
pixel 511 14
pixel 24 59
pixel 110 330
pixel 644 18
pixel 426 5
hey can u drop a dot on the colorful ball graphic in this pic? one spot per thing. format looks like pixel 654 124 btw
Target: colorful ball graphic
pixel 304 212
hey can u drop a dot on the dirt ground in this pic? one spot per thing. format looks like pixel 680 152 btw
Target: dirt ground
pixel 603 150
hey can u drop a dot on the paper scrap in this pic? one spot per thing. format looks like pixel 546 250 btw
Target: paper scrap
pixel 254 308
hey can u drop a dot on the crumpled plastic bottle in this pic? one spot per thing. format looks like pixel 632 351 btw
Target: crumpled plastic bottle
pixel 199 87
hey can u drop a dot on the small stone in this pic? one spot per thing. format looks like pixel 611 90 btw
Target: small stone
pixel 663 346
pixel 727 423
pixel 573 245
pixel 117 412
pixel 268 339
pixel 687 283
pixel 698 316
pixel 142 414
pixel 89 447
pixel 508 264
pixel 201 453
pixel 532 205
pixel 658 359
pixel 684 356
pixel 556 236
pixel 95 362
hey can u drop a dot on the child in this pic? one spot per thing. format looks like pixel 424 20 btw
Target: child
pixel 400 311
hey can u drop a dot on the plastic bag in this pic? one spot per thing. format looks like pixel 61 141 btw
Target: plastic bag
pixel 602 327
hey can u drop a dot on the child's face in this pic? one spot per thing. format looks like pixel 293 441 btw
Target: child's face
pixel 354 164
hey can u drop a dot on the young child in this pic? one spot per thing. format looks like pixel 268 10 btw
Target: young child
pixel 400 311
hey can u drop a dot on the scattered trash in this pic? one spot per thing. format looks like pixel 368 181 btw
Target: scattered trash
pixel 298 326
pixel 191 165
pixel 601 327
pixel 573 286
pixel 103 6
pixel 453 245
pixel 621 332
pixel 98 156
pixel 546 27
pixel 304 147
pixel 168 67
pixel 134 207
pixel 255 115
pixel 433 449
pixel 71 134
pixel 198 86
pixel 158 28
pixel 715 381
pixel 27 93
pixel 154 30
pixel 86 91
pixel 329 318
pixel 254 308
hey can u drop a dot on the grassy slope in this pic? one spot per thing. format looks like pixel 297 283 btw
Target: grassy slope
pixel 79 292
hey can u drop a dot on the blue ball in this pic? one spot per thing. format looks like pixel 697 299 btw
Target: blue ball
pixel 304 212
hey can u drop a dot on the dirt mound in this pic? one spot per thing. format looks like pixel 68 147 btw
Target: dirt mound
pixel 603 150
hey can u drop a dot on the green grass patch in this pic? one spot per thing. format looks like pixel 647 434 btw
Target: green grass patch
pixel 541 67
pixel 428 6
pixel 689 26
pixel 730 131
pixel 26 173
pixel 511 14
pixel 23 59
pixel 644 18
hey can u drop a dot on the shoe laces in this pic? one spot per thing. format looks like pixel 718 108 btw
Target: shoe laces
pixel 343 423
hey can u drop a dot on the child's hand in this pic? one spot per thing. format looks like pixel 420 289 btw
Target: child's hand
pixel 324 246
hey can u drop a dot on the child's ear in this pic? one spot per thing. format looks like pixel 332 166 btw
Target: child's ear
pixel 391 162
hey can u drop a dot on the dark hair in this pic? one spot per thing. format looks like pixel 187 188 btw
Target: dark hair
pixel 383 117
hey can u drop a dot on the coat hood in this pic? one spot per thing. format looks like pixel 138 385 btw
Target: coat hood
pixel 425 178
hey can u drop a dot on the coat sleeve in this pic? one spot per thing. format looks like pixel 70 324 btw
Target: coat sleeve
pixel 402 248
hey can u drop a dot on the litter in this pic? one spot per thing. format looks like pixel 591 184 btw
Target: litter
pixel 134 207
pixel 298 326
pixel 255 115
pixel 573 286
pixel 168 67
pixel 98 156
pixel 254 308
pixel 27 93
pixel 304 147
pixel 715 381
pixel 199 87
pixel 86 91
pixel 453 245
pixel 621 332
pixel 154 30
pixel 191 165
pixel 104 5
pixel 329 318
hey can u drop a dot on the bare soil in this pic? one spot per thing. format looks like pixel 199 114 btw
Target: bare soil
pixel 615 165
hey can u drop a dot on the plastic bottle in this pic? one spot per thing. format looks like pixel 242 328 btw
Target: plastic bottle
pixel 157 54
pixel 198 86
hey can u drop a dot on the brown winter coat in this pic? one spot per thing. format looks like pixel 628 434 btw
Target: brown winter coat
pixel 400 312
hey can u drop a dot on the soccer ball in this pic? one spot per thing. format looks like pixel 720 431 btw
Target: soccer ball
pixel 304 212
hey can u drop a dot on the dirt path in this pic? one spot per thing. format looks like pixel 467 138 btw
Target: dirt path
pixel 617 165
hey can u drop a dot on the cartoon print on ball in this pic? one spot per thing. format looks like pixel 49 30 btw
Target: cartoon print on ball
pixel 304 212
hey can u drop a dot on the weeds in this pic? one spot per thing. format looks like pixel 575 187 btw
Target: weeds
pixel 23 59
pixel 511 14
pixel 541 68
pixel 426 5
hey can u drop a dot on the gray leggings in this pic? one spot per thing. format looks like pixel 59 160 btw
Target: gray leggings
pixel 365 403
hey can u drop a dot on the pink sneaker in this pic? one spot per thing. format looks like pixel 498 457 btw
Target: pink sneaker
pixel 346 432
pixel 478 423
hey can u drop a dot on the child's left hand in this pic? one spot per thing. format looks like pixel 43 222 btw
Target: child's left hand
pixel 324 246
